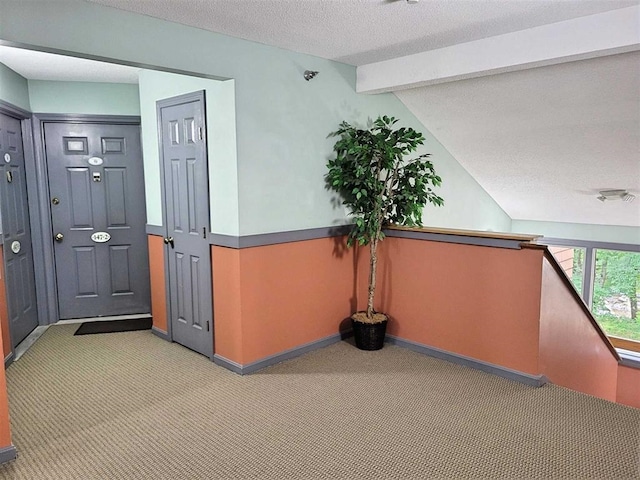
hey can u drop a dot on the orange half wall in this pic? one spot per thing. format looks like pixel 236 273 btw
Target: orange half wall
pixel 158 285
pixel 273 298
pixel 480 302
pixel 572 352
pixel 628 392
pixel 503 306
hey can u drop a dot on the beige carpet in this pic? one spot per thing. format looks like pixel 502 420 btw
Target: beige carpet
pixel 131 406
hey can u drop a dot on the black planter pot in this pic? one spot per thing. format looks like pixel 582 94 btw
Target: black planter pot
pixel 369 336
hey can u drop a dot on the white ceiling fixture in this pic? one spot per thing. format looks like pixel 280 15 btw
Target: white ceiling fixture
pixel 615 195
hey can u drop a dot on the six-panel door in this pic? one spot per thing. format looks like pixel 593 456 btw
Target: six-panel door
pixel 187 222
pixel 98 217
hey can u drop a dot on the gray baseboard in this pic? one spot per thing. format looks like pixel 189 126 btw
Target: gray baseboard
pixel 228 364
pixel 8 453
pixel 159 333
pixel 279 357
pixel 521 377
pixel 526 378
pixel 8 360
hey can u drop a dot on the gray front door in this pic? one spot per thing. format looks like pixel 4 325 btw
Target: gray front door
pixel 98 218
pixel 18 258
pixel 186 214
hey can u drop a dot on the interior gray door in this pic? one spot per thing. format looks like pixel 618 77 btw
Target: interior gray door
pixel 98 218
pixel 186 189
pixel 18 258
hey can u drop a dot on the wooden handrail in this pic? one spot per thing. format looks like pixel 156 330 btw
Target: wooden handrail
pixel 468 233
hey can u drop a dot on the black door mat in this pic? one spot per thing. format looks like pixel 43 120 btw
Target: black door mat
pixel 111 326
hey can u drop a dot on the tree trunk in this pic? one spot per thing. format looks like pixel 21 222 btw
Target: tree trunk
pixel 373 264
pixel 633 299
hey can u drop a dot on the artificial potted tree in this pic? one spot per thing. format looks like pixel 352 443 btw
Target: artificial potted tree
pixel 380 187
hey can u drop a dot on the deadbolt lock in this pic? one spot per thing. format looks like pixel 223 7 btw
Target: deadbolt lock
pixel 55 200
pixel 59 237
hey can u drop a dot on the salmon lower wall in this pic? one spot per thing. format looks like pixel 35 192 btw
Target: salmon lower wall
pixel 158 285
pixel 4 311
pixel 273 298
pixel 572 352
pixel 480 302
pixel 227 303
pixel 503 306
pixel 628 388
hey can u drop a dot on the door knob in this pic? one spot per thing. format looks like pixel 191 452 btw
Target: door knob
pixel 169 241
pixel 59 237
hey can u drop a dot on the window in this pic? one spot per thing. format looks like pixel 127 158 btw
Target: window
pixel 616 288
pixel 607 277
pixel 571 259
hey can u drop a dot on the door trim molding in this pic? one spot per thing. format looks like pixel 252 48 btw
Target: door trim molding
pixel 14 111
pixel 87 118
pixel 24 116
pixel 38 176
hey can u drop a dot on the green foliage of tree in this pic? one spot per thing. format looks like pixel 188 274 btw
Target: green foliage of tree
pixel 578 269
pixel 378 185
pixel 616 273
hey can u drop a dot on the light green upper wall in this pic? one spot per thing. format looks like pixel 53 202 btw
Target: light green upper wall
pixel 221 143
pixel 282 121
pixel 84 98
pixel 14 88
pixel 580 231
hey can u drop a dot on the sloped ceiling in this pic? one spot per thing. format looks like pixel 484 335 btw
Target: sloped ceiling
pixel 541 141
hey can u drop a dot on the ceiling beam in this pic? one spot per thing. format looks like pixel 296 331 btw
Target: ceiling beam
pixel 608 33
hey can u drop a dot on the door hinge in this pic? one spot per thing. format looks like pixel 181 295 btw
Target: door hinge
pixel 200 134
pixel 207 325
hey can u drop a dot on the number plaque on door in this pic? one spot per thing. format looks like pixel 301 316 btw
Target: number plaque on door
pixel 100 237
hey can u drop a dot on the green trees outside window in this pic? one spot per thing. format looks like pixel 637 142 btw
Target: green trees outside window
pixel 616 286
pixel 614 283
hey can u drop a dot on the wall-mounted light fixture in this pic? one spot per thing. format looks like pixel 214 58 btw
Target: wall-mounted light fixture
pixel 615 195
pixel 309 74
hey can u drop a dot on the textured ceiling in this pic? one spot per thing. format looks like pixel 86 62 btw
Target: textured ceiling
pixel 544 141
pixel 365 31
pixel 541 141
pixel 46 66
